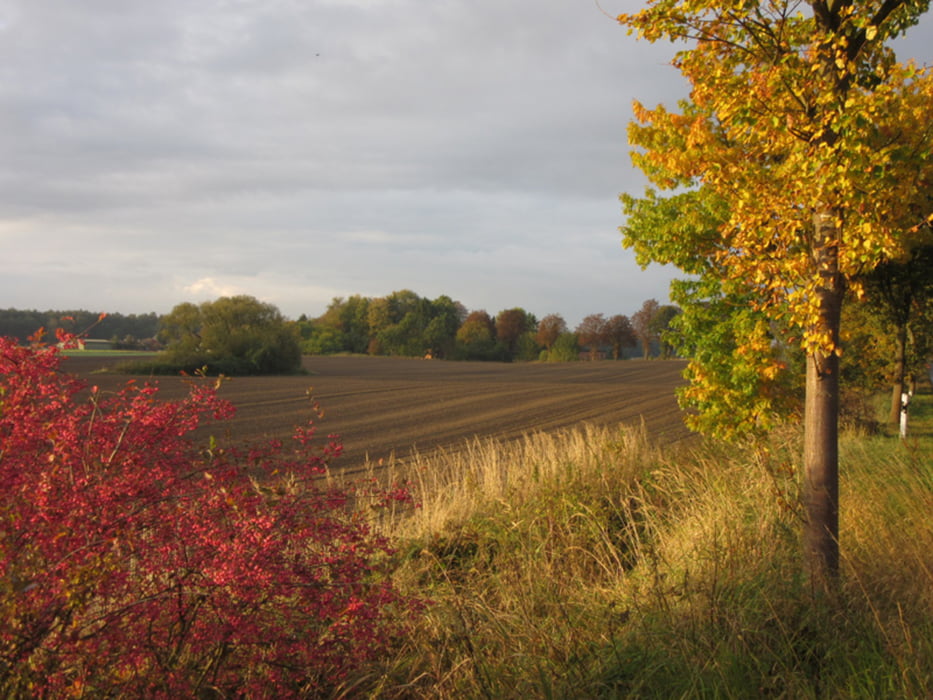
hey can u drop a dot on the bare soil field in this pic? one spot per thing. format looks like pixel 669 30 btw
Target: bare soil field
pixel 381 406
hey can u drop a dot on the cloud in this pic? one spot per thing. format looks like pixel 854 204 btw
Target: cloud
pixel 297 151
pixel 208 287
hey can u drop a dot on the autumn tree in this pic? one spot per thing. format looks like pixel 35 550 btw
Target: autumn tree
pixel 476 337
pixel 619 334
pixel 549 329
pixel 815 141
pixel 739 358
pixel 511 325
pixel 591 333
pixel 642 325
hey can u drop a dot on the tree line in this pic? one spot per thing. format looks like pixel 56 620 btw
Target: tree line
pixel 129 331
pixel 406 324
pixel 242 335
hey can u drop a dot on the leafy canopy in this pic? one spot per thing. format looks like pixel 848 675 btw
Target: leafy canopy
pixel 796 110
pixel 232 335
pixel 793 110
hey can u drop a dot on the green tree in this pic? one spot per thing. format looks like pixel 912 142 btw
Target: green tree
pixel 440 335
pixel 816 140
pixel 901 294
pixel 406 324
pixel 739 382
pixel 660 326
pixel 379 317
pixel 352 320
pixel 527 349
pixel 565 349
pixel 180 332
pixel 232 335
pixel 318 337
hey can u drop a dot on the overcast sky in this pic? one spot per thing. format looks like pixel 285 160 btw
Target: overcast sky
pixel 154 152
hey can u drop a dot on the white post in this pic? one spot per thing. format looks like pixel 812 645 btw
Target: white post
pixel 905 403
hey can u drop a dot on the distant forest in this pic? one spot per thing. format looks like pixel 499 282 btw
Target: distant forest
pixel 123 331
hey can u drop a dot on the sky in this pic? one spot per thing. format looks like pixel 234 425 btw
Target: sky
pixel 153 153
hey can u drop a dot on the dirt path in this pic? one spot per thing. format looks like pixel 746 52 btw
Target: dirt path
pixel 383 405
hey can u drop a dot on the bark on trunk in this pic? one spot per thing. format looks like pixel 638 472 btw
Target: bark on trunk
pixel 821 415
pixel 821 460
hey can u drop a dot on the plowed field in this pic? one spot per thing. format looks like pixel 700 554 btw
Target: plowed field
pixel 383 405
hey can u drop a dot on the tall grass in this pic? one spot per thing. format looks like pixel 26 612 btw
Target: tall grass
pixel 590 563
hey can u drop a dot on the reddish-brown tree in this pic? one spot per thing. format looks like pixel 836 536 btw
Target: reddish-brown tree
pixel 510 325
pixel 642 325
pixel 549 329
pixel 620 334
pixel 592 333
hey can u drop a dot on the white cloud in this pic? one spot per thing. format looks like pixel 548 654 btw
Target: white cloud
pixel 210 288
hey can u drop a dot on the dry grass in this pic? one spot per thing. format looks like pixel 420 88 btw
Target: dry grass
pixel 589 563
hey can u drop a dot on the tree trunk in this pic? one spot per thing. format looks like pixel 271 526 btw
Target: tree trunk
pixel 821 416
pixel 900 352
pixel 821 463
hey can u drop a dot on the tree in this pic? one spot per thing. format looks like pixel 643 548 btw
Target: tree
pixel 591 333
pixel 325 334
pixel 476 337
pixel 180 332
pixel 549 329
pixel 642 325
pixel 814 139
pixel 660 326
pixel 619 334
pixel 511 324
pixel 379 317
pixel 232 335
pixel 440 335
pixel 901 293
pixel 565 349
pixel 738 369
pixel 352 320
pixel 405 324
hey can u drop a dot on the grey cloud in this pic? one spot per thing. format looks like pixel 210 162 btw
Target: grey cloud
pixel 295 148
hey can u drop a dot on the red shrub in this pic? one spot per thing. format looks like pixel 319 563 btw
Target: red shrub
pixel 133 562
